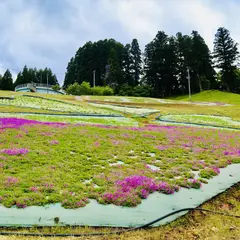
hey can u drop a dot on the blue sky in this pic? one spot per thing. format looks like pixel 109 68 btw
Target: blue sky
pixel 47 33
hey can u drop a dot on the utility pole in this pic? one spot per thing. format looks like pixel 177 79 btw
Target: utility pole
pixel 47 82
pixel 94 71
pixel 189 84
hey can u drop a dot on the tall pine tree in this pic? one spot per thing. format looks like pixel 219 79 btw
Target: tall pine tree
pixel 127 65
pixel 155 58
pixel 226 55
pixel 70 74
pixel 115 75
pixel 93 56
pixel 29 75
pixel 184 43
pixel 136 61
pixel 201 63
pixel 6 82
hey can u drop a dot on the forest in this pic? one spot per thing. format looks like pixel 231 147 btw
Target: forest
pixel 161 70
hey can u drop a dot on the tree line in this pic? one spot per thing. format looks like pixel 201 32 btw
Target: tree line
pixel 28 75
pixel 161 70
pixel 113 63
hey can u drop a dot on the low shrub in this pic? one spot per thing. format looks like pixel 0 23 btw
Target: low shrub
pixel 85 89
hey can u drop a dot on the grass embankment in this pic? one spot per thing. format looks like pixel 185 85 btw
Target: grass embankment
pixel 212 96
pixel 195 225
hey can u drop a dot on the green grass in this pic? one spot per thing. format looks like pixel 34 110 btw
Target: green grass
pixel 123 99
pixel 212 96
pixel 116 121
pixel 203 119
pixel 35 102
pixel 61 159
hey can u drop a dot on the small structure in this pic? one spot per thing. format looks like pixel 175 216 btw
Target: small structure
pixel 37 87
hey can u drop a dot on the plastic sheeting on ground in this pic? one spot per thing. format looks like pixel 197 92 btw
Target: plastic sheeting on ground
pixel 95 214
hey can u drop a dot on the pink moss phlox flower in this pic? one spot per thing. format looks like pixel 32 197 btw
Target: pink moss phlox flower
pixel 215 169
pixel 3 158
pixel 18 123
pixel 131 189
pixel 116 142
pixel 144 193
pixel 48 185
pixel 54 142
pixel 195 183
pixel 235 152
pixel 33 189
pixel 11 181
pixel 80 203
pixel 15 151
pixel 46 134
pixel 137 181
pixel 21 205
pixel 19 135
pixel 166 188
pixel 186 145
pixel 146 166
pixel 149 136
pixel 97 144
pixel 162 147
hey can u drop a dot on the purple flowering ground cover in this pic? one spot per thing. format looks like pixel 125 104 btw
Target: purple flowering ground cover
pixel 43 163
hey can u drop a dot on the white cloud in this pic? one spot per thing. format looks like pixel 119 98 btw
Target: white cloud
pixel 200 16
pixel 34 34
pixel 140 18
pixel 13 72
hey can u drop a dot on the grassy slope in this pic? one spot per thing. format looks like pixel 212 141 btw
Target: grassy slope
pixel 195 225
pixel 64 98
pixel 164 108
pixel 213 96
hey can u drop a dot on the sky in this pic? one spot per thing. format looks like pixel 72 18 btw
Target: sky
pixel 47 33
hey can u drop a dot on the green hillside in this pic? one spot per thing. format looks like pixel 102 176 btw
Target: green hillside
pixel 213 96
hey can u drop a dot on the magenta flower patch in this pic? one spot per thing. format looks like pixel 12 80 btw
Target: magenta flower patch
pixel 131 189
pixel 54 142
pixel 216 170
pixel 33 189
pixel 11 181
pixel 15 151
pixel 123 163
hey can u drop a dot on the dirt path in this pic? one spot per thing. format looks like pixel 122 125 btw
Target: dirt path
pixel 79 98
